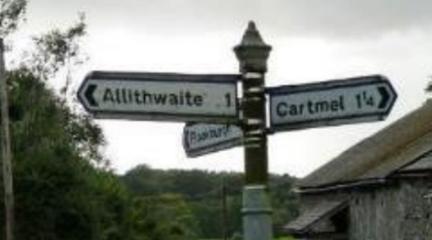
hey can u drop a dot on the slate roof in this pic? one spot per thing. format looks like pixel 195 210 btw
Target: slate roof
pixel 310 217
pixel 424 163
pixel 405 142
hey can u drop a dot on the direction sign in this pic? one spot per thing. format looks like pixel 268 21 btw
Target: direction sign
pixel 336 102
pixel 160 96
pixel 202 138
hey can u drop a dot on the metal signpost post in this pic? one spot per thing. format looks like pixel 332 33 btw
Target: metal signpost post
pixel 252 54
pixel 353 100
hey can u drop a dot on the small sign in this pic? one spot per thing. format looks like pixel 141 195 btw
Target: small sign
pixel 354 100
pixel 160 96
pixel 202 138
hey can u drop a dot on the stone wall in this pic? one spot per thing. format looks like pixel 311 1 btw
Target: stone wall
pixel 399 211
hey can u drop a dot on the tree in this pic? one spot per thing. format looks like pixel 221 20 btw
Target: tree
pixel 57 50
pixel 63 188
pixel 59 192
pixel 165 216
pixel 11 14
pixel 285 202
pixel 54 180
pixel 201 191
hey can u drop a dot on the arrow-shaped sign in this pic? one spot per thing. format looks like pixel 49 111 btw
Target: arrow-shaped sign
pixel 202 138
pixel 88 94
pixel 329 103
pixel 161 96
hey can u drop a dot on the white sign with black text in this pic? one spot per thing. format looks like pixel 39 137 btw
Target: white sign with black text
pixel 202 138
pixel 336 102
pixel 160 96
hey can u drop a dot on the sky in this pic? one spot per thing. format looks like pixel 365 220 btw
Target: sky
pixel 312 41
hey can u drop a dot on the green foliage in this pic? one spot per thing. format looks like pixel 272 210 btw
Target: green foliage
pixel 165 216
pixel 285 202
pixel 56 49
pixel 11 13
pixel 59 193
pixel 42 121
pixel 202 192
pixel 62 189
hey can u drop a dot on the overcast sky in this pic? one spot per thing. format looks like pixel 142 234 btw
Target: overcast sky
pixel 313 40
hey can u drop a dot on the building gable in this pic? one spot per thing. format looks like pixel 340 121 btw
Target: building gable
pixel 380 155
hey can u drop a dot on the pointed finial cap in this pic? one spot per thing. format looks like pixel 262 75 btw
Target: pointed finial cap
pixel 252 52
pixel 252 37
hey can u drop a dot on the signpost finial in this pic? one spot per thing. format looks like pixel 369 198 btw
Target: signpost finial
pixel 252 52
pixel 252 37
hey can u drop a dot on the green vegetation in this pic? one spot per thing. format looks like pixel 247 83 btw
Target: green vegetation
pixel 63 187
pixel 202 192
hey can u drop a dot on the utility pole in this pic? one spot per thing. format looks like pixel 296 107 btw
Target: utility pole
pixel 6 149
pixel 224 211
pixel 252 54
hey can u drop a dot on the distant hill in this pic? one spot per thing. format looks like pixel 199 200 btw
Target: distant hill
pixel 202 192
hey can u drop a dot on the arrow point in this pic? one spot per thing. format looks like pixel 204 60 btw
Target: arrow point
pixel 385 97
pixel 89 95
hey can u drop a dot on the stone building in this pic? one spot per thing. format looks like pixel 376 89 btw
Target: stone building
pixel 379 189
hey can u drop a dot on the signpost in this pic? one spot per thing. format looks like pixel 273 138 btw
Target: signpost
pixel 211 102
pixel 252 53
pixel 337 102
pixel 202 138
pixel 160 96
